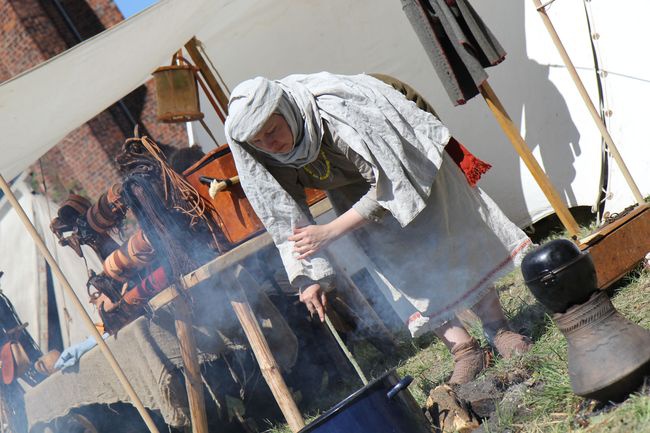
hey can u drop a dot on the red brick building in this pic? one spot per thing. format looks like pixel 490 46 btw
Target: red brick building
pixel 32 31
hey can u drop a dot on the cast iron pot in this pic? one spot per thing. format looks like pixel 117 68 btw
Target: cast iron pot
pixel 559 275
pixel 382 406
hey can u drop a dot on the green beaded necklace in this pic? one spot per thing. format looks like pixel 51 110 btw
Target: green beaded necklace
pixel 328 167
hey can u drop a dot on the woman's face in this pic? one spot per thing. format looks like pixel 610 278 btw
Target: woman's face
pixel 274 137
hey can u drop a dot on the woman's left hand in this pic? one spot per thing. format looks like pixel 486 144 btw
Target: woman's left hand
pixel 310 239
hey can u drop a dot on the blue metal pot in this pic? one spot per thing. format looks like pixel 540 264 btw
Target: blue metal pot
pixel 382 406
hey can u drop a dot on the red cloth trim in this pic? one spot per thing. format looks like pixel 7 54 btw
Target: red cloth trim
pixel 489 275
pixel 471 166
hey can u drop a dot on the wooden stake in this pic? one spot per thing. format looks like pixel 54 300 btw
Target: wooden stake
pixel 265 359
pixel 103 347
pixel 527 156
pixel 192 369
pixel 211 80
pixel 587 100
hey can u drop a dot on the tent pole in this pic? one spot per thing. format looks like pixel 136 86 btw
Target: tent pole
pixel 210 79
pixel 106 351
pixel 587 100
pixel 527 156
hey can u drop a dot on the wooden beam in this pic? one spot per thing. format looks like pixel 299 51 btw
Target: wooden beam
pixel 192 368
pixel 265 359
pixel 526 155
pixel 211 80
pixel 226 260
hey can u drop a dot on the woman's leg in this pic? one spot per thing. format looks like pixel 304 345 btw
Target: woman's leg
pixel 453 333
pixel 489 310
pixel 496 327
pixel 469 358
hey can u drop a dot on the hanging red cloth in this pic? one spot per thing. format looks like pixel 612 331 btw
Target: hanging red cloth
pixel 472 167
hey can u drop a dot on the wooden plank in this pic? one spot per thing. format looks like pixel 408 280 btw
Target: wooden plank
pixel 227 260
pixel 213 83
pixel 621 247
pixel 604 231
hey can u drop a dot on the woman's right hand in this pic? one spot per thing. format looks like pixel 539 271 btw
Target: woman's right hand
pixel 315 299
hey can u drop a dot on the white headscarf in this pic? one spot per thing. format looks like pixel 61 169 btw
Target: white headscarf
pixel 254 101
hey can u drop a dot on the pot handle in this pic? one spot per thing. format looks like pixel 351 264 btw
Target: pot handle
pixel 401 385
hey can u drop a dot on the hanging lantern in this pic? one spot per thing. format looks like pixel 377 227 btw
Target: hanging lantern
pixel 177 93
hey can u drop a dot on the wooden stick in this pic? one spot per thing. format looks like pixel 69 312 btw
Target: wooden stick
pixel 268 365
pixel 356 296
pixel 192 369
pixel 103 347
pixel 207 130
pixel 587 100
pixel 345 350
pixel 527 156
pixel 210 79
pixel 215 106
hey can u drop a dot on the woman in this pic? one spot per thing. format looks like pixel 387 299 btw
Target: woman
pixel 439 242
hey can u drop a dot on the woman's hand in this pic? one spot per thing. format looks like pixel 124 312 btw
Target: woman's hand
pixel 315 299
pixel 310 239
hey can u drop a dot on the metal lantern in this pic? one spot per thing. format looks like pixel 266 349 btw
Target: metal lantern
pixel 177 93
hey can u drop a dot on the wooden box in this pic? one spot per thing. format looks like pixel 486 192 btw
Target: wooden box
pixel 231 210
pixel 619 246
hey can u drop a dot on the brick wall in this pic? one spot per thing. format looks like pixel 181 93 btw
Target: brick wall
pixel 32 31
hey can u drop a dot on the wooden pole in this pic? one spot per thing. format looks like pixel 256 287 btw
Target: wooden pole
pixel 211 80
pixel 346 351
pixel 265 359
pixel 355 295
pixel 587 100
pixel 527 156
pixel 103 347
pixel 192 369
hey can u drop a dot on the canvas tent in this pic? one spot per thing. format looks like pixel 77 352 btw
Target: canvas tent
pixel 25 281
pixel 274 38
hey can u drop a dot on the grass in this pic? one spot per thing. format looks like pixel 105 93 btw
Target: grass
pixel 548 404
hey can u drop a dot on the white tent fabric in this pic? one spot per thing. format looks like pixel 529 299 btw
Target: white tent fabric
pixel 24 281
pixel 625 76
pixel 39 107
pixel 278 37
